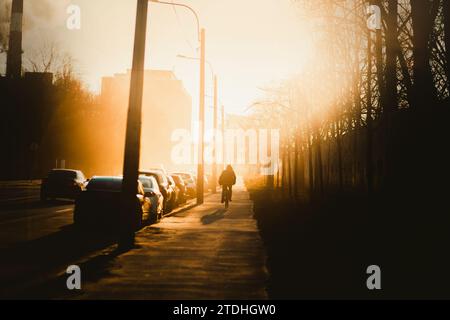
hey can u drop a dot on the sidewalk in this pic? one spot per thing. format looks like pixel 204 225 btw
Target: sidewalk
pixel 201 253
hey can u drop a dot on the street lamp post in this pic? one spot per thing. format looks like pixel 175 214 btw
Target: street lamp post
pixel 200 166
pixel 223 137
pixel 214 155
pixel 201 154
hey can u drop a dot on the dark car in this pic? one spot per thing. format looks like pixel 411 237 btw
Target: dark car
pixel 189 181
pixel 182 187
pixel 63 183
pixel 164 186
pixel 175 201
pixel 152 191
pixel 99 205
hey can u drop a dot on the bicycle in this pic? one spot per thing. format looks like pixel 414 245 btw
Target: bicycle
pixel 226 195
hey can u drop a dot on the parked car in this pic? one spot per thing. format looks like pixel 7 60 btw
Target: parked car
pixel 177 192
pixel 205 182
pixel 182 186
pixel 152 191
pixel 189 181
pixel 99 204
pixel 162 170
pixel 63 183
pixel 164 186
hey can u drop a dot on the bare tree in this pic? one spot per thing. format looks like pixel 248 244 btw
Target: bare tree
pixel 350 97
pixel 46 58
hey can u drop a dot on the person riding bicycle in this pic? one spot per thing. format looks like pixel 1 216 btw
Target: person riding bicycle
pixel 227 180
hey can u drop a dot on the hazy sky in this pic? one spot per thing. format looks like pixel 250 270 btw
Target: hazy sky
pixel 250 43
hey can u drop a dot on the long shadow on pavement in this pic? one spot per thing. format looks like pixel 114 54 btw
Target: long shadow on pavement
pixel 26 264
pixel 22 207
pixel 93 269
pixel 213 217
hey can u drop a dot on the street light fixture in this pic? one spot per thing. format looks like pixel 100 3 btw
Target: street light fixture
pixel 134 116
pixel 182 56
pixel 184 6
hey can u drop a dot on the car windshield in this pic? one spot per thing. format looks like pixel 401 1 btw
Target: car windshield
pixel 177 179
pixel 184 176
pixel 62 174
pixel 105 184
pixel 161 178
pixel 81 176
pixel 147 182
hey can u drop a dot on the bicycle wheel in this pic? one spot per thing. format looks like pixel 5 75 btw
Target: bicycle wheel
pixel 227 197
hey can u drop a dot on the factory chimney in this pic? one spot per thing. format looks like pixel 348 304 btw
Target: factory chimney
pixel 14 57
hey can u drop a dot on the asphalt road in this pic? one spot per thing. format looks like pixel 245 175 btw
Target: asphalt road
pixel 32 235
pixel 32 220
pixel 24 218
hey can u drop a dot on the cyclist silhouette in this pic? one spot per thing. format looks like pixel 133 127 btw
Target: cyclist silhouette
pixel 227 180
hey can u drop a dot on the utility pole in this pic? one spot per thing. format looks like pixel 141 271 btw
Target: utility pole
pixel 14 55
pixel 214 165
pixel 133 132
pixel 200 166
pixel 223 137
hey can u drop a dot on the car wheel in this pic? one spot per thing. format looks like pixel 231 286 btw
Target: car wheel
pixel 166 207
pixel 139 219
pixel 153 217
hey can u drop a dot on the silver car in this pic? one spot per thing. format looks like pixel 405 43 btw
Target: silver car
pixel 153 192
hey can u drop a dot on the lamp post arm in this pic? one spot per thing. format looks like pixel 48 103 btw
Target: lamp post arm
pixel 193 58
pixel 184 6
